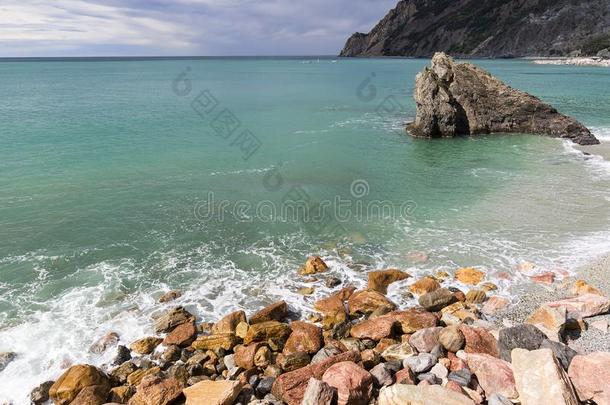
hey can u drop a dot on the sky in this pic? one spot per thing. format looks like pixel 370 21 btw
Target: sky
pixel 183 27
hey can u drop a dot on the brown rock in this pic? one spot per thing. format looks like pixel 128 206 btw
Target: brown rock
pixel 137 376
pixel 437 299
pixel 290 387
pixel 590 375
pixel 241 330
pixel 540 378
pixel 494 375
pixel 73 380
pixel 170 296
pixel 182 335
pixel 305 337
pixel 293 361
pixel 375 328
pixel 274 312
pixel 121 394
pixel 451 338
pixel 318 393
pixel 268 330
pixel 405 376
pixel 478 340
pixel 229 323
pixel 368 301
pixel 226 341
pixel 379 280
pixel 313 265
pixel 354 385
pixel 121 373
pixel 333 308
pixel 469 275
pixel 424 285
pixel 370 358
pixel 413 320
pixel 155 390
pixel 146 345
pixel 494 305
pixel 475 296
pixel 92 395
pixel 254 355
pixel 172 318
pixel 461 99
pixel 306 290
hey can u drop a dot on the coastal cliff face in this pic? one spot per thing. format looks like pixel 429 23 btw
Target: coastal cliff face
pixel 487 28
pixel 460 99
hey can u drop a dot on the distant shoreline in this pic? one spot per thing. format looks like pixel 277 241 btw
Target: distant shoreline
pixel 576 61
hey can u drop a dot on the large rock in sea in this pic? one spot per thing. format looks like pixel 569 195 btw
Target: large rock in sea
pixel 460 99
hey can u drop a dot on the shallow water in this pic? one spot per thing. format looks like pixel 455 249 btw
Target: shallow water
pixel 106 170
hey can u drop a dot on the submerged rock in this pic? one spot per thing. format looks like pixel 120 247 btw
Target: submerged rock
pixel 460 99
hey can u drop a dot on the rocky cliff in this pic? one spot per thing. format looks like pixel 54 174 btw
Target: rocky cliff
pixel 487 28
pixel 460 99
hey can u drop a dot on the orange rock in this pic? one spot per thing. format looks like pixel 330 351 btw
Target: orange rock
pixel 581 287
pixel 333 307
pixel 305 337
pixel 270 330
pixel 424 285
pixel 146 345
pixel 478 340
pixel 375 328
pixel 182 335
pixel 221 392
pixel 215 342
pixel 368 301
pixel 551 321
pixel 228 323
pixel 254 355
pixel 157 390
pixel 75 379
pixel 274 312
pixel 313 265
pixel 379 280
pixel 469 275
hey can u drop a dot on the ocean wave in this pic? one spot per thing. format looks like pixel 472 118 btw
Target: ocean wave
pixel 601 133
pixel 242 171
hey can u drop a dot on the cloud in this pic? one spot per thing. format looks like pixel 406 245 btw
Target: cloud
pixel 182 27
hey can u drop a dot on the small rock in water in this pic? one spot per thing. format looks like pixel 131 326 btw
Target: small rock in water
pixel 305 290
pixel 421 363
pixel 475 296
pixel 379 280
pixel 170 296
pixel 424 285
pixel 313 265
pixel 172 318
pixel 332 282
pixel 418 257
pixel 100 346
pixel 469 275
pixel 544 278
pixel 122 355
pixel 6 358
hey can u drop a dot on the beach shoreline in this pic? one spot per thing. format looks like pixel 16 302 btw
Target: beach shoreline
pixel 575 61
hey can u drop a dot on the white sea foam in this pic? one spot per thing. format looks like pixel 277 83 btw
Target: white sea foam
pixel 243 171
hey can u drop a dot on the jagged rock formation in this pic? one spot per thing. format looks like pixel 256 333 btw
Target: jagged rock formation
pixel 488 28
pixel 461 99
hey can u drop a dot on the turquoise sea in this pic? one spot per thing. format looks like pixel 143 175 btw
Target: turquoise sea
pixel 122 179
